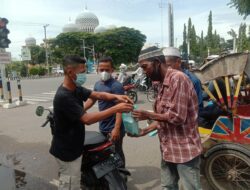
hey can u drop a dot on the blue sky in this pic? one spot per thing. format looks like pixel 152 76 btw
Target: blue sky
pixel 28 16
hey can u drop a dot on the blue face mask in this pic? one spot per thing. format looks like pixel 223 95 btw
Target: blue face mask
pixel 80 79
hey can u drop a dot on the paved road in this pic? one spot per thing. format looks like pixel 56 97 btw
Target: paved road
pixel 24 145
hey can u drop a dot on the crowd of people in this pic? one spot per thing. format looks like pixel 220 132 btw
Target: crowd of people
pixel 177 107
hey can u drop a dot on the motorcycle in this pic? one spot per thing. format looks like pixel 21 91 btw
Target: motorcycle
pixel 152 91
pixel 140 82
pixel 131 92
pixel 100 164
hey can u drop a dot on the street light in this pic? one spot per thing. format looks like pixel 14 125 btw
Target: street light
pixel 46 48
pixel 92 49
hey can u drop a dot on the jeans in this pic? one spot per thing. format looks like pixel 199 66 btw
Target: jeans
pixel 188 173
pixel 70 174
pixel 119 148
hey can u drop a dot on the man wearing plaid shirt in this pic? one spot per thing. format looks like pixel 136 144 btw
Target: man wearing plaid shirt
pixel 175 115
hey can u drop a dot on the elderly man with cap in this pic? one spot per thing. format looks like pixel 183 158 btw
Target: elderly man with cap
pixel 175 117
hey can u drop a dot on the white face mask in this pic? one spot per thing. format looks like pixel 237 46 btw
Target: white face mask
pixel 105 76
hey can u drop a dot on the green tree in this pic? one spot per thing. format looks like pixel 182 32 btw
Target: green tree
pixel 194 51
pixel 189 33
pixel 209 37
pixel 184 45
pixel 18 67
pixel 37 55
pixel 242 44
pixel 122 44
pixel 242 6
pixel 34 71
pixel 202 47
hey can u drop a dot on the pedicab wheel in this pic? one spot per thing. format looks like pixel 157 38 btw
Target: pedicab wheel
pixel 132 95
pixel 228 170
pixel 151 95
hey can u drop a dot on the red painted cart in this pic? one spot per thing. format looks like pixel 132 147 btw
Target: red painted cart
pixel 226 144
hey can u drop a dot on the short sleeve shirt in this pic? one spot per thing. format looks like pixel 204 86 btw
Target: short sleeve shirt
pixel 114 87
pixel 68 139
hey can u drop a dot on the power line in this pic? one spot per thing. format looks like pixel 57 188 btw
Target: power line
pixel 24 23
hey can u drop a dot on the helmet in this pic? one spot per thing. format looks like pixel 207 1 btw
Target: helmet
pixel 123 67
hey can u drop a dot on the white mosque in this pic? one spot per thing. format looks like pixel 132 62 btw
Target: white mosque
pixel 30 41
pixel 86 22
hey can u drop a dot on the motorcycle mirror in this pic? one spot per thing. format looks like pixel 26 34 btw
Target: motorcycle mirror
pixel 39 111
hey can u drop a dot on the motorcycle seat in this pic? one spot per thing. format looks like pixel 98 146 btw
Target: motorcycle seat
pixel 93 139
pixel 128 87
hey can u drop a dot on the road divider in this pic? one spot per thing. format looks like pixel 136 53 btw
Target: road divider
pixel 19 102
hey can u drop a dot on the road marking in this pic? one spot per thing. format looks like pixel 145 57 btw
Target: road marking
pixel 36 99
pixel 49 93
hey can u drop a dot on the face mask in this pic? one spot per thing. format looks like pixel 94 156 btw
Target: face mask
pixel 105 76
pixel 80 79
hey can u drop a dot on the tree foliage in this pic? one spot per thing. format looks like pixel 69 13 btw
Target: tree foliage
pixel 213 43
pixel 37 55
pixel 242 6
pixel 184 45
pixel 122 44
pixel 210 31
pixel 242 38
pixel 17 66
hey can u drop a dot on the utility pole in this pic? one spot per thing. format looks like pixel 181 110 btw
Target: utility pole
pixel 170 25
pixel 3 77
pixel 83 46
pixel 162 5
pixel 94 53
pixel 46 46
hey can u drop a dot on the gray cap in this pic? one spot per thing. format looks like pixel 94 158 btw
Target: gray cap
pixel 171 51
pixel 150 52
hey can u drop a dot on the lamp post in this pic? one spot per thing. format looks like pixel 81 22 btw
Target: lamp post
pixel 92 49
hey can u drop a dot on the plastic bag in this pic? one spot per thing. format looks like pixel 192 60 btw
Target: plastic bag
pixel 130 124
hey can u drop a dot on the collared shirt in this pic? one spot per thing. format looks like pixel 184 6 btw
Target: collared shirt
pixel 177 100
pixel 197 86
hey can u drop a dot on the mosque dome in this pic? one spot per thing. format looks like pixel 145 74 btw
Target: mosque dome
pixel 71 27
pixel 100 29
pixel 87 21
pixel 110 27
pixel 30 41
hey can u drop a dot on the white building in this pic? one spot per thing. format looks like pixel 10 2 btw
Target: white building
pixel 86 22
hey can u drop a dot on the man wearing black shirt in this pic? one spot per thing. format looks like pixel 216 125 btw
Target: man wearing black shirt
pixel 69 115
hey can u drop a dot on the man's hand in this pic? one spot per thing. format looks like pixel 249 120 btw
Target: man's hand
pixel 124 107
pixel 123 98
pixel 115 134
pixel 140 115
pixel 141 133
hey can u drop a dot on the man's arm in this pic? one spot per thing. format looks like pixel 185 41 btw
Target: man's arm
pixel 89 103
pixel 116 132
pixel 145 131
pixel 110 97
pixel 90 118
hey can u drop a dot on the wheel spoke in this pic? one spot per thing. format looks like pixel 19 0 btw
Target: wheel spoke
pixel 229 170
pixel 243 172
